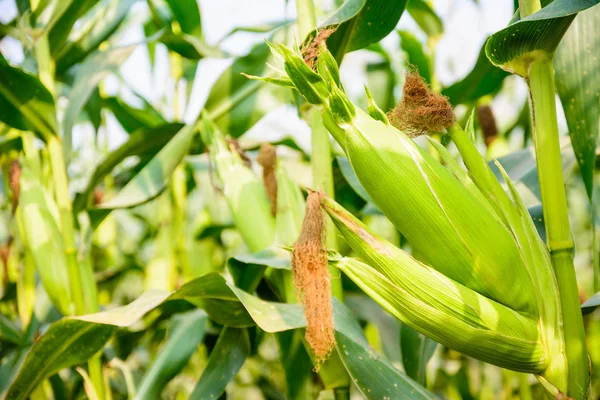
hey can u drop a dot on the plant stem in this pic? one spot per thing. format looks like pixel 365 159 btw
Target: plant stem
pixel 59 174
pixel 558 232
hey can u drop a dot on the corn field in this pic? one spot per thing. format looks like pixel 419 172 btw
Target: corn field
pixel 343 202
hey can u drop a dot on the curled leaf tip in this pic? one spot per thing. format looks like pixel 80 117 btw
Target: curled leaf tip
pixel 267 158
pixel 311 278
pixel 421 110
pixel 311 49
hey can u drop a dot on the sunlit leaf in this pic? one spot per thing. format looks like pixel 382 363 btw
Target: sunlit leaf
pixel 89 74
pixel 425 17
pixel 578 83
pixel 416 56
pixel 25 103
pixel 535 36
pixel 361 23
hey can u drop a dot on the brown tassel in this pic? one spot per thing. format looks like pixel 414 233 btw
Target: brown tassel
pixel 421 110
pixel 311 277
pixel 267 157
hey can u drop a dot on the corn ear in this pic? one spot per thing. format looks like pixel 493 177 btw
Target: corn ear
pixel 37 216
pixel 243 190
pixel 434 304
pixel 459 235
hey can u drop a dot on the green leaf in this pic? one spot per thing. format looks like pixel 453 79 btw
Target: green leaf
pixel 131 118
pixel 67 342
pixel 226 359
pixel 373 375
pixel 37 216
pixel 105 20
pixel 417 350
pixel 187 14
pixel 10 144
pixel 534 37
pixel 484 79
pixel 522 170
pixel 591 304
pixel 9 332
pixel 578 83
pixel 186 333
pixel 296 364
pixel 25 103
pixel 152 179
pixel 425 17
pixel 89 74
pixel 143 142
pixel 415 54
pixel 235 103
pixel 63 20
pixel 361 23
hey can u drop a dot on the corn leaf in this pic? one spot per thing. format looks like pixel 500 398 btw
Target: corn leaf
pixel 61 20
pixel 37 216
pixel 89 74
pixel 8 145
pixel 591 304
pixel 104 20
pixel 185 333
pixel 235 103
pixel 72 341
pixel 374 376
pixel 151 180
pixel 415 55
pixel 25 103
pixel 361 23
pixel 533 37
pixel 132 118
pixel 484 79
pixel 577 82
pixel 143 143
pixel 425 17
pixel 225 361
pixel 417 350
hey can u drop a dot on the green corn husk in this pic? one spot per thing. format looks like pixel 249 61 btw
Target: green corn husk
pixel 460 235
pixel 38 215
pixel 435 305
pixel 243 190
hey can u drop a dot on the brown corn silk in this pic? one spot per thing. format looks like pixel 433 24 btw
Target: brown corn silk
pixel 311 278
pixel 420 110
pixel 312 47
pixel 267 158
pixel 14 175
pixel 488 123
pixel 235 147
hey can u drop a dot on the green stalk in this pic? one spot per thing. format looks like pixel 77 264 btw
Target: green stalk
pixel 558 232
pixel 59 174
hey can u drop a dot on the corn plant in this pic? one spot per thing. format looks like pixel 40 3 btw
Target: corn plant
pixel 413 244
